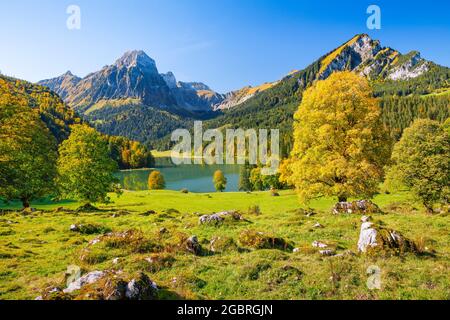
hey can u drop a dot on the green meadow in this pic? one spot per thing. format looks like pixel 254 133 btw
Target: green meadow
pixel 36 248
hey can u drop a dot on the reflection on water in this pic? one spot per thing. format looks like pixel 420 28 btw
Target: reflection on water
pixel 195 178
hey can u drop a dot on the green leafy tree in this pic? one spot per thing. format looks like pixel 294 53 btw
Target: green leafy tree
pixel 244 178
pixel 256 179
pixel 85 170
pixel 340 146
pixel 219 180
pixel 156 181
pixel 27 155
pixel 422 162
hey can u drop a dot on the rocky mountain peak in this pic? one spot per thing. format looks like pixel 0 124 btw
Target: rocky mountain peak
pixel 136 58
pixel 170 79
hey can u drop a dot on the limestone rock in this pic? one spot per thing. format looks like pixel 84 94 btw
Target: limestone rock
pixel 84 280
pixel 373 237
pixel 357 207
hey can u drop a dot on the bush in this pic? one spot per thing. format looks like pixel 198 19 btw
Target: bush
pixel 255 210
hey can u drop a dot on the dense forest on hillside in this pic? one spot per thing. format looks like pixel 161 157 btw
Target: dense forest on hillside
pixel 52 110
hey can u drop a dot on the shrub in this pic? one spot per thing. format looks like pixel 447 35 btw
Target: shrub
pixel 255 210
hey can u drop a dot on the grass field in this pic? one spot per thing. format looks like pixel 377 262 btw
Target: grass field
pixel 36 249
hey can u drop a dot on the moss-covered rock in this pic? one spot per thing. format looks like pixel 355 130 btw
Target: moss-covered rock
pixel 260 240
pixel 356 207
pixel 222 244
pixel 375 239
pixel 89 228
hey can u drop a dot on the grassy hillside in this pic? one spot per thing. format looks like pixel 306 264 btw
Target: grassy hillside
pixel 36 249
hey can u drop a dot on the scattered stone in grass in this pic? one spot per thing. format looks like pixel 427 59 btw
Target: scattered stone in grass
pixel 171 211
pixel 260 240
pixel 87 208
pixel 141 288
pixel 356 207
pixel 192 245
pixel 304 212
pixel 211 219
pixel 163 231
pixel 54 294
pixel 89 278
pixel 376 239
pixel 327 252
pixel 274 193
pixel 120 213
pixel 318 244
pixel 148 213
pixel 88 228
pixel 104 285
pixel 318 226
pixel 218 218
pixel 346 253
pixel 222 244
pixel 185 191
pixel 28 211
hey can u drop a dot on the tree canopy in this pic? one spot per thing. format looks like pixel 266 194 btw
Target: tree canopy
pixel 220 181
pixel 422 162
pixel 340 145
pixel 85 169
pixel 27 155
pixel 156 181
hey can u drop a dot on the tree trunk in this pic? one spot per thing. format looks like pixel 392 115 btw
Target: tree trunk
pixel 342 198
pixel 25 203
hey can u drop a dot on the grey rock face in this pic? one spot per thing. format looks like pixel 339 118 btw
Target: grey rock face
pixel 89 278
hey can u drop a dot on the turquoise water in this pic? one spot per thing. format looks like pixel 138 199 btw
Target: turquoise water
pixel 195 178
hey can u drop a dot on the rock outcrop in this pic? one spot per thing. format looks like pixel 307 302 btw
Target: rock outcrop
pixel 105 285
pixel 376 239
pixel 356 207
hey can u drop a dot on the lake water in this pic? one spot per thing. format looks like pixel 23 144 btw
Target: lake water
pixel 195 178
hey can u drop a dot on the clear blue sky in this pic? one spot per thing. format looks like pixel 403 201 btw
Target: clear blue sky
pixel 225 43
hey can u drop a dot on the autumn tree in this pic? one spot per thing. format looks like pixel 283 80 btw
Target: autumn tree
pixel 27 155
pixel 340 146
pixel 85 169
pixel 422 162
pixel 219 180
pixel 156 181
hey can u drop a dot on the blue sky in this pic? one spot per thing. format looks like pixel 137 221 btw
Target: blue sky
pixel 225 43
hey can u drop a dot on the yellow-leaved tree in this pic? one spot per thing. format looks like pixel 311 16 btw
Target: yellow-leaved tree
pixel 340 145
